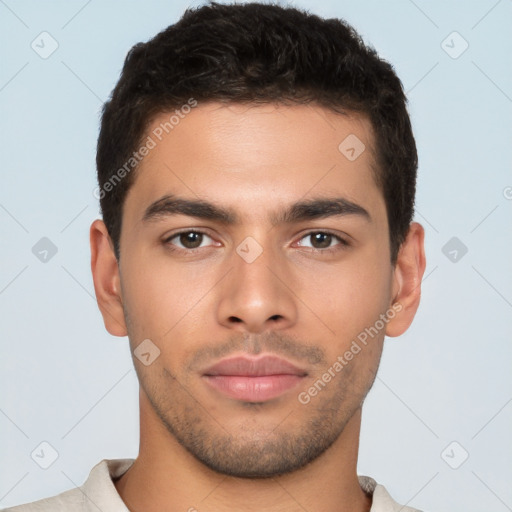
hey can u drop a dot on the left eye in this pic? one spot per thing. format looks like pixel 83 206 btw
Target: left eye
pixel 322 239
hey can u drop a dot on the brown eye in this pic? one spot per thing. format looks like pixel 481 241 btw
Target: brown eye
pixel 322 241
pixel 187 240
pixel 191 240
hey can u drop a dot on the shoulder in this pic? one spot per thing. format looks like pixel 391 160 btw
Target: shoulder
pixel 68 500
pixel 98 492
pixel 381 499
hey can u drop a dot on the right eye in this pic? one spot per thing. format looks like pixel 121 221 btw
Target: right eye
pixel 190 240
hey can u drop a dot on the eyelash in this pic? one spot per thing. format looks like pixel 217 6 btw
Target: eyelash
pixel 343 243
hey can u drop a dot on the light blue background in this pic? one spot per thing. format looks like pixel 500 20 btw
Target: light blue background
pixel 66 381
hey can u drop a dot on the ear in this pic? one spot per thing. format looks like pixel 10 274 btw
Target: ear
pixel 407 276
pixel 105 274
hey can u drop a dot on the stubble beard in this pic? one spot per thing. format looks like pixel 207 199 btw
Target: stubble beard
pixel 246 451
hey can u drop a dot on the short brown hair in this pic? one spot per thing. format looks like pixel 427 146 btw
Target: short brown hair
pixel 258 53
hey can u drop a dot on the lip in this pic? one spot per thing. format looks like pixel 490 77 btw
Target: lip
pixel 253 379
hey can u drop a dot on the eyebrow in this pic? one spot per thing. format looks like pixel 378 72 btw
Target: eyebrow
pixel 317 208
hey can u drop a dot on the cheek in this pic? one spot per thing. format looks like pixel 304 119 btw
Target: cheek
pixel 348 298
pixel 162 299
pixel 146 294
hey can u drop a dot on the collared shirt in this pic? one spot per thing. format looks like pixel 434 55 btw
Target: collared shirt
pixel 99 493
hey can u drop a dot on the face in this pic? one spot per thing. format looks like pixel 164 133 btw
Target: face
pixel 256 298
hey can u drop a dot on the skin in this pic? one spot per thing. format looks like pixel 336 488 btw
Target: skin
pixel 199 448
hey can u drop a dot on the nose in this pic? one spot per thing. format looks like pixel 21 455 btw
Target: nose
pixel 258 295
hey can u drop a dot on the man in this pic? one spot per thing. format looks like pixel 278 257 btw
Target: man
pixel 257 173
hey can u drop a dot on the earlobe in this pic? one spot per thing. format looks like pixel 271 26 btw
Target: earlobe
pixel 105 273
pixel 408 273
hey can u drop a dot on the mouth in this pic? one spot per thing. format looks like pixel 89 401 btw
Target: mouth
pixel 254 380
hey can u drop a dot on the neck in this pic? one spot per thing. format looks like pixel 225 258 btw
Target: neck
pixel 165 476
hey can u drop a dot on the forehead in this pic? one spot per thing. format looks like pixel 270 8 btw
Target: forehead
pixel 257 155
